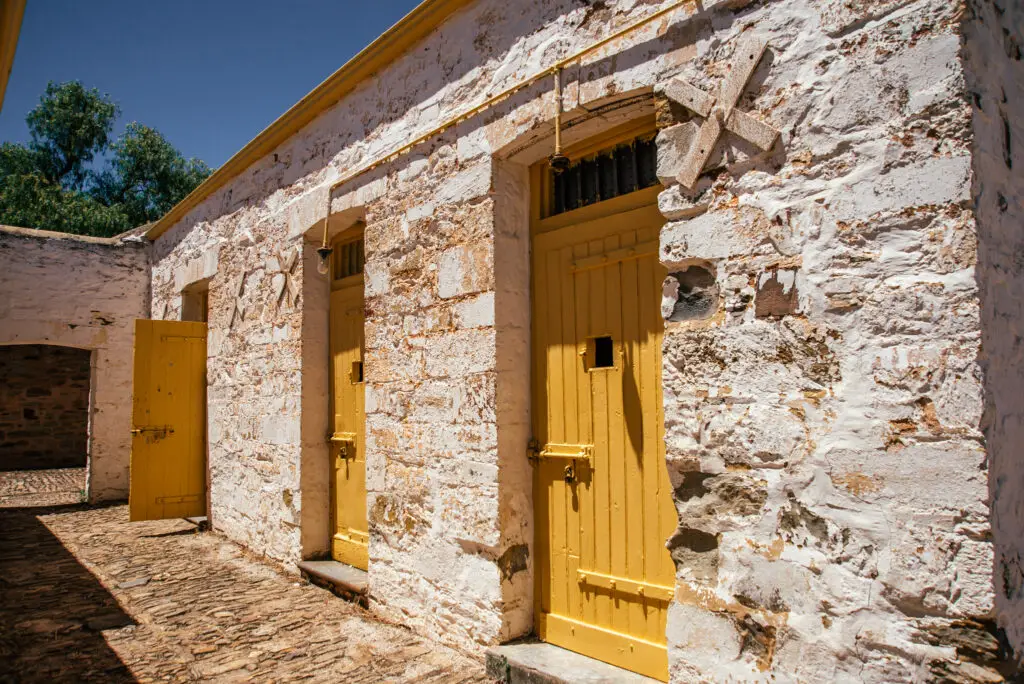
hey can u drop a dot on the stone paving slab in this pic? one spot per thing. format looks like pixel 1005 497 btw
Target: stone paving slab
pixel 539 663
pixel 86 596
pixel 21 488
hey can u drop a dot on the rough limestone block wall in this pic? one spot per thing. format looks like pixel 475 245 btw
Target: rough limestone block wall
pixel 85 293
pixel 823 399
pixel 994 38
pixel 44 407
pixel 450 497
pixel 432 382
pixel 253 383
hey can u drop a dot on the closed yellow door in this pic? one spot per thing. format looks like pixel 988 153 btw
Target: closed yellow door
pixel 348 493
pixel 603 500
pixel 168 459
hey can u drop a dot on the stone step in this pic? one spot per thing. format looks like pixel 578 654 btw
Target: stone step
pixel 535 662
pixel 344 580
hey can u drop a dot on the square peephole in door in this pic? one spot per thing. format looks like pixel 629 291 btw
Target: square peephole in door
pixel 600 352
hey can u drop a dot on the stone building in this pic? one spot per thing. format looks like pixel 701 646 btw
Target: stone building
pixel 650 328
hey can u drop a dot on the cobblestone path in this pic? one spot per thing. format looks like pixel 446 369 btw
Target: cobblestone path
pixel 86 596
pixel 20 488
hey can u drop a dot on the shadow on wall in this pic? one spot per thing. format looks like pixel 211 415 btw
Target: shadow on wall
pixel 52 610
pixel 992 52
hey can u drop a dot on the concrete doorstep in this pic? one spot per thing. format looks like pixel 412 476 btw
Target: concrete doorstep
pixel 343 580
pixel 539 663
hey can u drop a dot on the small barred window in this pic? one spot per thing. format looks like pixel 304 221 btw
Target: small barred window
pixel 626 168
pixel 348 259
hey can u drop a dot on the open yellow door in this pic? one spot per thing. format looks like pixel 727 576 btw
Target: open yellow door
pixel 168 460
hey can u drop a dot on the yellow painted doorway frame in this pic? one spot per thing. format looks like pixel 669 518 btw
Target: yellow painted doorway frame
pixel 603 504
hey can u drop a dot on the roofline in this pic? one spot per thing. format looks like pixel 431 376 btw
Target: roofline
pixel 71 237
pixel 421 21
pixel 11 13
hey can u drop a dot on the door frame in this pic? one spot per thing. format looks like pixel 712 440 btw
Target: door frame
pixel 353 233
pixel 541 191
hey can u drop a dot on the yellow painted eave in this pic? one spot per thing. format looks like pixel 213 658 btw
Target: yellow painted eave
pixel 11 13
pixel 394 42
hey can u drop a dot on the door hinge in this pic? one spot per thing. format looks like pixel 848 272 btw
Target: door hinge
pixel 533 451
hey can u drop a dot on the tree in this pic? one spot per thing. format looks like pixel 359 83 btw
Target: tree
pixel 147 176
pixel 69 126
pixel 49 183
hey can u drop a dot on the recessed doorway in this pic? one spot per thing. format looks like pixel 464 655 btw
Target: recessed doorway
pixel 44 406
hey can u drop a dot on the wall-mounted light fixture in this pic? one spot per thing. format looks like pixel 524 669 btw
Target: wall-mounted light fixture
pixel 323 266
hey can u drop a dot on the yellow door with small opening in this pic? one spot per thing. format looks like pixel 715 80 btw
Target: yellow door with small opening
pixel 603 499
pixel 168 458
pixel 348 491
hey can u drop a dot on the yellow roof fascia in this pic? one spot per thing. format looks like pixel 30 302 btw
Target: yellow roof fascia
pixel 11 13
pixel 391 44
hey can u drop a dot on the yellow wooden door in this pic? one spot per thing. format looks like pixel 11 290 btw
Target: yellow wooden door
pixel 168 459
pixel 603 499
pixel 348 491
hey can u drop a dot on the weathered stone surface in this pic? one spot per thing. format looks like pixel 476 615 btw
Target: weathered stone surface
pixel 160 601
pixel 832 502
pixel 83 293
pixel 994 40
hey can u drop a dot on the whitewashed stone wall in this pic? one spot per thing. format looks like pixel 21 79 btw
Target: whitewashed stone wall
pixel 450 502
pixel 824 419
pixel 86 293
pixel 994 33
pixel 823 423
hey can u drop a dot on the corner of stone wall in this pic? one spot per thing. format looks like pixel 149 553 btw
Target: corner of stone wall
pixel 993 59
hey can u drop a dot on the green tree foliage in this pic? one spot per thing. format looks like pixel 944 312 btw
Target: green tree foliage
pixel 147 176
pixel 69 126
pixel 48 183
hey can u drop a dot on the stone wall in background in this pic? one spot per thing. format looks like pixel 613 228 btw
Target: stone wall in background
pixel 81 292
pixel 44 406
pixel 994 59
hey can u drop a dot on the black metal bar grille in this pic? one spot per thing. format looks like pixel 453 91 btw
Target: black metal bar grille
pixel 610 173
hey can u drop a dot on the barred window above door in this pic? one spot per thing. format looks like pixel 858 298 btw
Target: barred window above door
pixel 349 259
pixel 616 171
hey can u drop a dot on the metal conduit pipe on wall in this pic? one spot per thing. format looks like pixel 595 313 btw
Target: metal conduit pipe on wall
pixel 554 69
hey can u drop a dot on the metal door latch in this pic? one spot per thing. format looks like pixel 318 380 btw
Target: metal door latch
pixel 158 431
pixel 346 442
pixel 570 474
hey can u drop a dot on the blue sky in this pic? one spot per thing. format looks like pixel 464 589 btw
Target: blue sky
pixel 209 74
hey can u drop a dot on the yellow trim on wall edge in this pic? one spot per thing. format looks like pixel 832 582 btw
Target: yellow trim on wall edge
pixel 420 22
pixel 11 13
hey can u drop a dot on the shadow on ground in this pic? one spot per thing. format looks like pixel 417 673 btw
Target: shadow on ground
pixel 53 611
